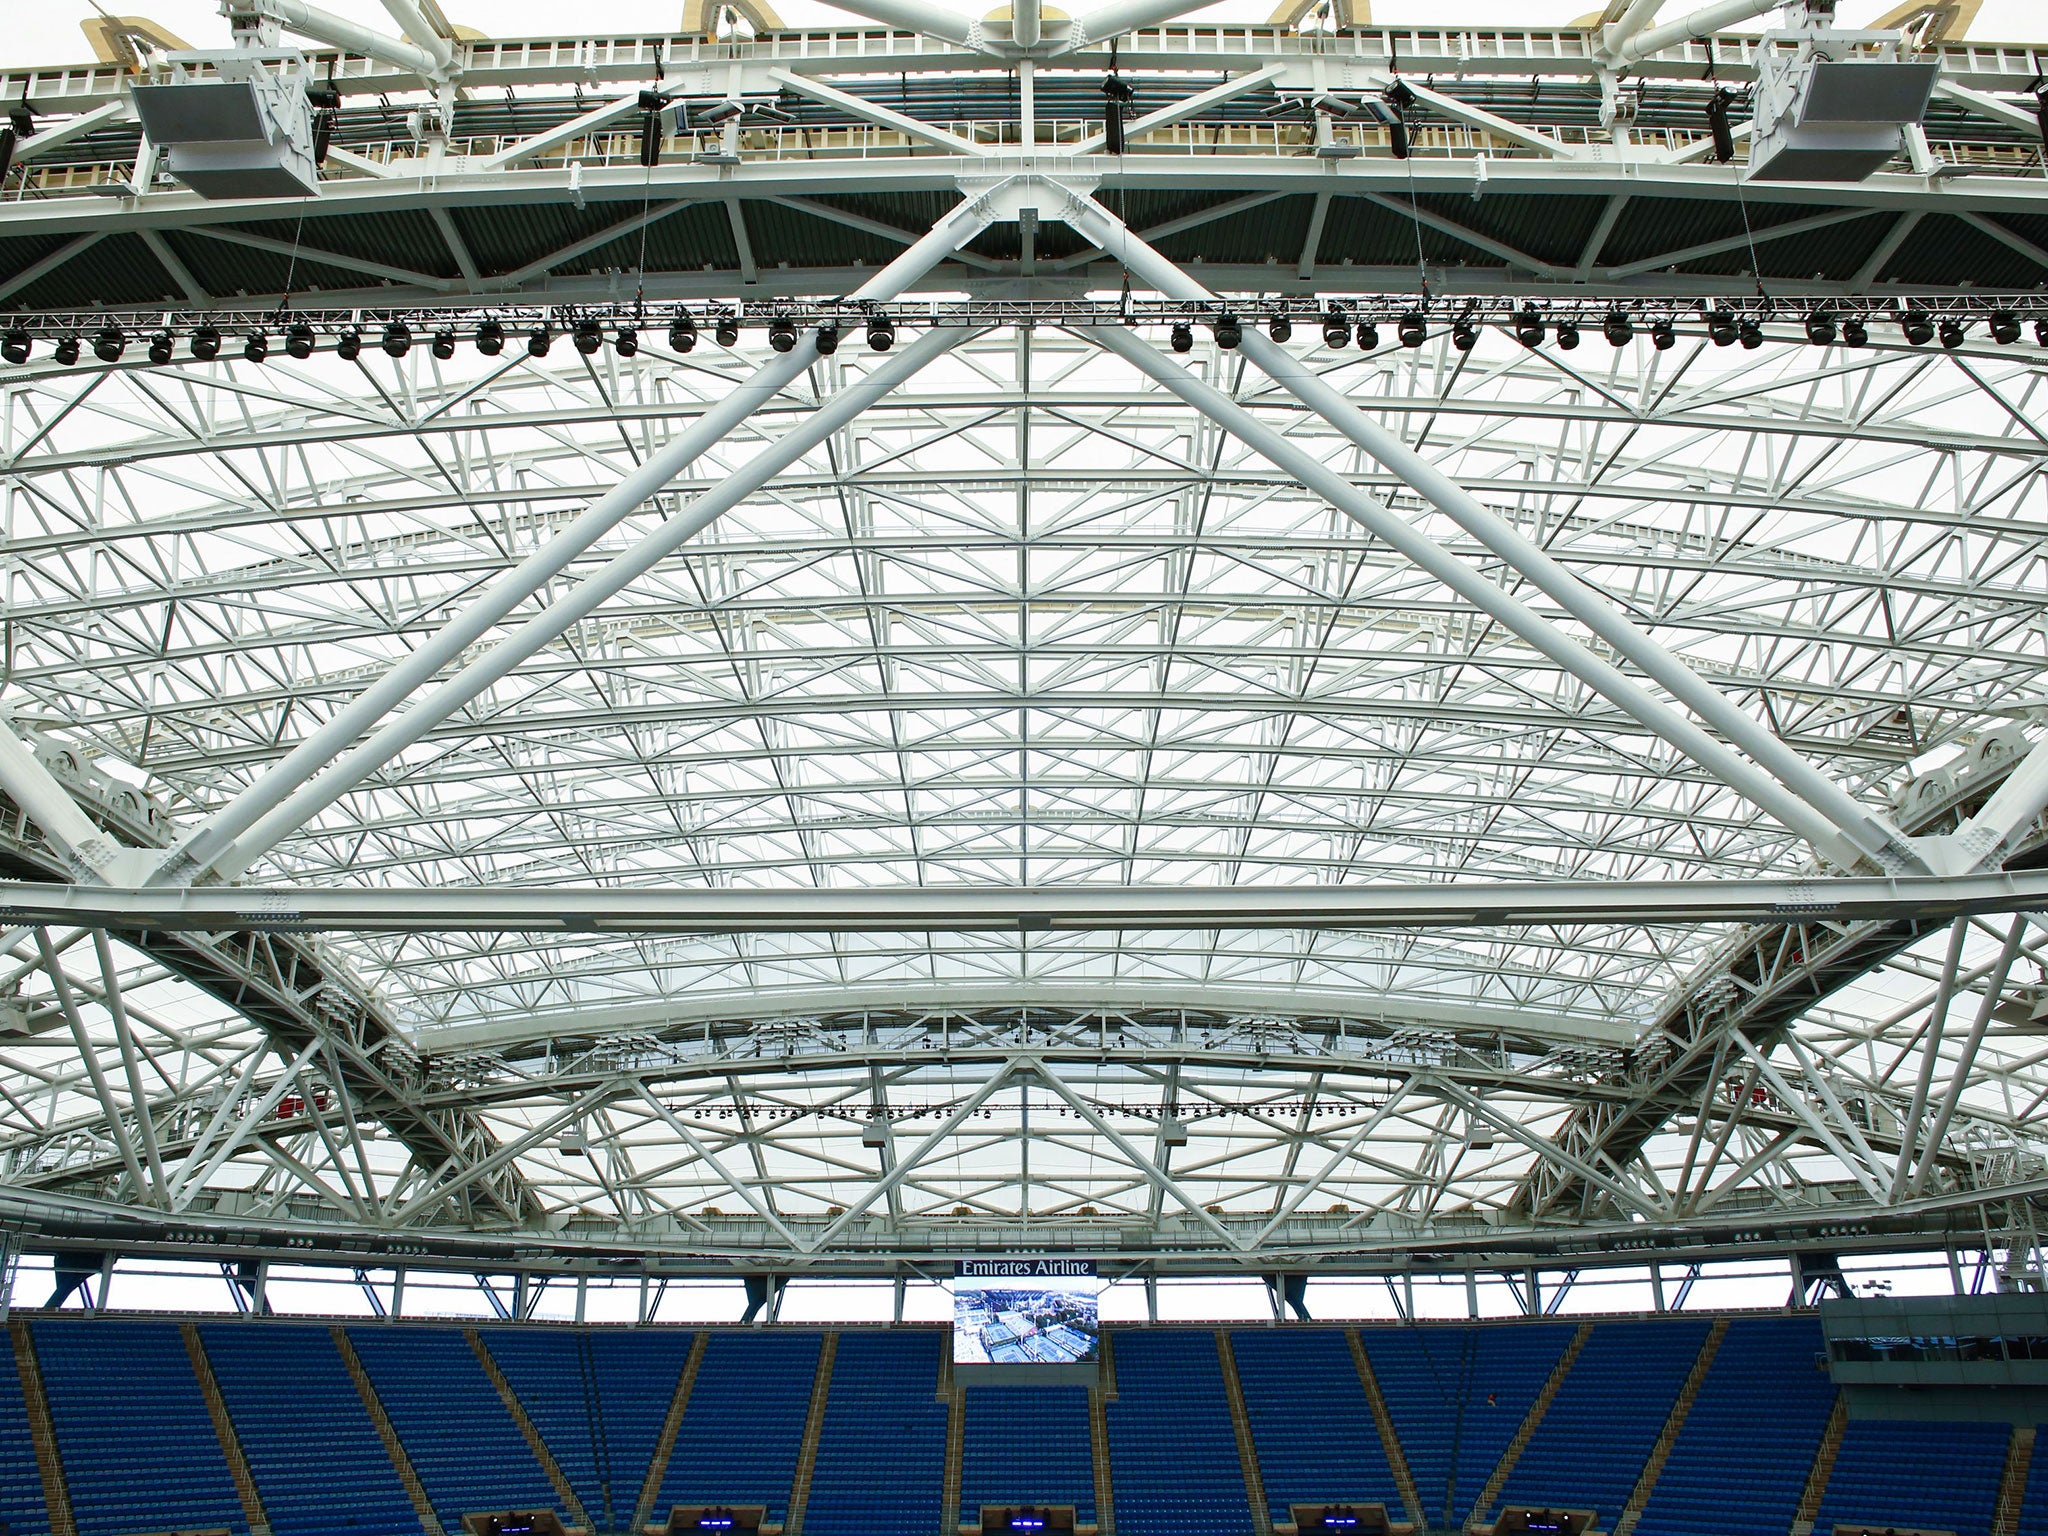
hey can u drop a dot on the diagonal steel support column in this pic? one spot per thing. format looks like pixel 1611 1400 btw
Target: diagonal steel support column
pixel 583 600
pixel 1776 778
pixel 205 846
pixel 91 853
pixel 1960 1081
pixel 1930 1053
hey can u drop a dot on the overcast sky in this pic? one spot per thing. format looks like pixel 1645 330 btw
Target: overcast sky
pixel 47 31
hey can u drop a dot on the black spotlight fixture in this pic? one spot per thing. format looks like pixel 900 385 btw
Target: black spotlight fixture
pixel 1855 333
pixel 1567 335
pixel 1750 334
pixel 1400 101
pixel 298 341
pixel 490 338
pixel 1952 331
pixel 1229 332
pixel 1916 327
pixel 881 333
pixel 727 332
pixel 15 346
pixel 110 344
pixel 1820 328
pixel 1336 329
pixel 67 349
pixel 348 346
pixel 1721 328
pixel 627 342
pixel 1182 336
pixel 1717 124
pixel 2005 327
pixel 1117 95
pixel 1368 336
pixel 257 347
pixel 1618 328
pixel 682 333
pixel 160 348
pixel 205 343
pixel 2041 332
pixel 443 344
pixel 538 340
pixel 828 339
pixel 1663 335
pixel 782 334
pixel 1464 334
pixel 1529 327
pixel 1280 328
pixel 587 338
pixel 397 339
pixel 1413 329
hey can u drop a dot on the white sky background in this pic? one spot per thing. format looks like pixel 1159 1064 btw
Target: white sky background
pixel 47 31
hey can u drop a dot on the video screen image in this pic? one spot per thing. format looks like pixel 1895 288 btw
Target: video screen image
pixel 1024 1322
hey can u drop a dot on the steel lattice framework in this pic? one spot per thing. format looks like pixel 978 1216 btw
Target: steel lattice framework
pixel 1233 807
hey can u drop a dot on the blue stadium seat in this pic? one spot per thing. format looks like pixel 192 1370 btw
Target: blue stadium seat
pixel 1311 1423
pixel 1172 1451
pixel 288 1390
pixel 882 1447
pixel 138 1446
pixel 464 1446
pixel 1903 1472
pixel 1027 1445
pixel 1721 1471
pixel 745 1421
pixel 598 1396
pixel 21 1482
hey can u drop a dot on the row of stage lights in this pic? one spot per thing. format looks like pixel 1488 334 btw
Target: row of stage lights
pixel 299 340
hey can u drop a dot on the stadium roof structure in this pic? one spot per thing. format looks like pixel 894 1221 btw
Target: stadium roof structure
pixel 1232 740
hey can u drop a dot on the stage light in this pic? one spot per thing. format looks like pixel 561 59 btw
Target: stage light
pixel 443 344
pixel 1567 335
pixel 160 348
pixel 1229 332
pixel 1336 329
pixel 1750 334
pixel 1464 334
pixel 205 344
pixel 110 344
pixel 490 338
pixel 257 347
pixel 1717 124
pixel 1820 328
pixel 16 346
pixel 1368 336
pixel 1952 332
pixel 1855 333
pixel 782 334
pixel 682 334
pixel 1618 328
pixel 2041 332
pixel 538 340
pixel 727 332
pixel 298 341
pixel 1916 327
pixel 66 351
pixel 348 346
pixel 1413 329
pixel 881 333
pixel 1663 335
pixel 1398 99
pixel 1182 337
pixel 627 342
pixel 2005 327
pixel 1529 327
pixel 586 337
pixel 828 340
pixel 1280 328
pixel 1721 328
pixel 397 340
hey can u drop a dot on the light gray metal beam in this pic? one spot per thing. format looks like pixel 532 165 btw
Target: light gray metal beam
pixel 1966 1058
pixel 326 27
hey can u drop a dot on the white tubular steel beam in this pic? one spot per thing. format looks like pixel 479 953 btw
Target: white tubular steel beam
pixel 1704 22
pixel 320 746
pixel 563 133
pixel 326 27
pixel 875 112
pixel 1187 107
pixel 1026 17
pixel 1776 778
pixel 584 599
pixel 917 16
pixel 1469 583
pixel 1966 1059
pixel 1121 16
pixel 60 134
pixel 67 1004
pixel 1987 837
pixel 1930 1053
pixel 47 803
pixel 969 909
pixel 1491 122
pixel 1616 34
pixel 412 21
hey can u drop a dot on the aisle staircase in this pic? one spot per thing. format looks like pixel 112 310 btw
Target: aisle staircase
pixel 42 1432
pixel 1534 1417
pixel 1390 1441
pixel 224 1429
pixel 529 1429
pixel 956 1456
pixel 1099 1397
pixel 665 1445
pixel 1241 1422
pixel 422 1506
pixel 1823 1468
pixel 2012 1486
pixel 1632 1511
pixel 814 1428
